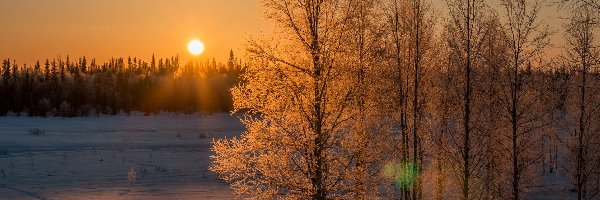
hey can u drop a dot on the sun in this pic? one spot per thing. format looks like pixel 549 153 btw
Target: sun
pixel 195 47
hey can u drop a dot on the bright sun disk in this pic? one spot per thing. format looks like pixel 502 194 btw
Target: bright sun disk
pixel 195 47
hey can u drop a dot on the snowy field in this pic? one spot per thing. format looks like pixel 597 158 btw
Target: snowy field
pixel 89 158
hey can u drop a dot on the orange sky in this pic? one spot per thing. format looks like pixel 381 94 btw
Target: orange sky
pixel 550 14
pixel 38 29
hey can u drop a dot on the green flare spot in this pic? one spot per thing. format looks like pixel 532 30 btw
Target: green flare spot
pixel 404 174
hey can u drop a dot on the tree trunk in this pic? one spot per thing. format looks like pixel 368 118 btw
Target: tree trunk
pixel 580 137
pixel 416 100
pixel 401 95
pixel 318 179
pixel 513 115
pixel 467 119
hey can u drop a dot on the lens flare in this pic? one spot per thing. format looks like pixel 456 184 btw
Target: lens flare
pixel 404 174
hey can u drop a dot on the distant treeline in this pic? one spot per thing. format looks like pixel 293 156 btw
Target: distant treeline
pixel 67 87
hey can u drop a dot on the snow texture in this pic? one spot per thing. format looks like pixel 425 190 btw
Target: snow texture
pixel 90 158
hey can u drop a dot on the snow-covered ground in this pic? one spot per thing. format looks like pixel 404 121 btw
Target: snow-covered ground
pixel 89 158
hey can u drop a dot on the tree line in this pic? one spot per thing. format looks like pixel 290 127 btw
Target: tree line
pixel 365 100
pixel 69 88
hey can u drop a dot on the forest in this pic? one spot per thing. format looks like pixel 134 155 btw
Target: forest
pixel 366 100
pixel 69 88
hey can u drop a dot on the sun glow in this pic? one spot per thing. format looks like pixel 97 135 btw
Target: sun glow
pixel 195 47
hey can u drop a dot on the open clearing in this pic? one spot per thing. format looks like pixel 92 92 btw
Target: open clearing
pixel 89 158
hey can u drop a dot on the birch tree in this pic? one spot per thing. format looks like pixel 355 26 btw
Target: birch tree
pixel 592 4
pixel 305 136
pixel 363 55
pixel 583 55
pixel 398 27
pixel 465 32
pixel 410 41
pixel 526 37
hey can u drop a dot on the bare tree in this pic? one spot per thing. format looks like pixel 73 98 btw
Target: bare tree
pixel 526 38
pixel 446 101
pixel 592 4
pixel 494 55
pixel 465 34
pixel 398 30
pixel 583 55
pixel 363 55
pixel 411 38
pixel 312 130
pixel 416 108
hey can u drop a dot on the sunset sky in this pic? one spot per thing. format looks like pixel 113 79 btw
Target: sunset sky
pixel 38 29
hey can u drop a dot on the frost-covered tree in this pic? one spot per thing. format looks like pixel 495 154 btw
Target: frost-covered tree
pixel 583 56
pixel 592 4
pixel 465 31
pixel 410 41
pixel 399 30
pixel 523 96
pixel 313 127
pixel 363 53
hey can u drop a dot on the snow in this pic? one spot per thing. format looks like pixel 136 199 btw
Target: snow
pixel 556 185
pixel 90 158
